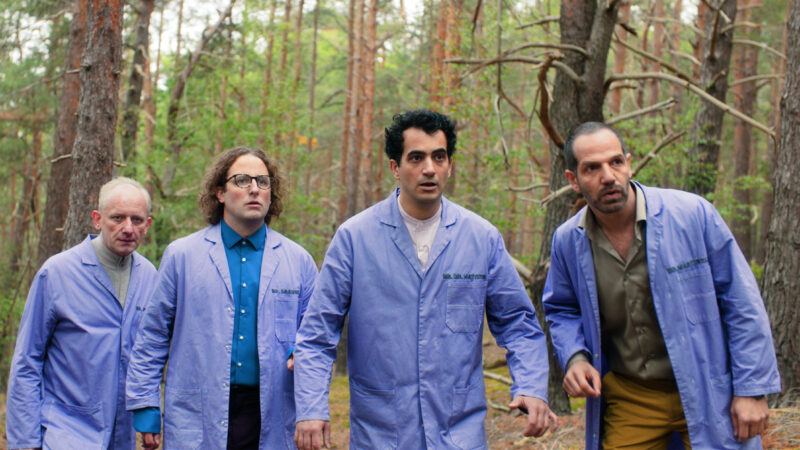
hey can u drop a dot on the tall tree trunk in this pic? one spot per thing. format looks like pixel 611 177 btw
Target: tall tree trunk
pixel 141 52
pixel 585 24
pixel 349 93
pixel 658 43
pixel 779 66
pixel 51 238
pixel 615 100
pixel 312 86
pixel 780 284
pixel 368 92
pixel 93 152
pixel 707 124
pixel 744 101
pixel 23 212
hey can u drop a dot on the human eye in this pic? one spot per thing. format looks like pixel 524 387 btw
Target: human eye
pixel 263 181
pixel 242 180
pixel 137 220
pixel 416 157
pixel 440 157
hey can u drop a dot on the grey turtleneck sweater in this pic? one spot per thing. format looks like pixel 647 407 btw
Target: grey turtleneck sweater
pixel 118 268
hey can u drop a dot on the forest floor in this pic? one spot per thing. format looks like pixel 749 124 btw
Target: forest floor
pixel 504 429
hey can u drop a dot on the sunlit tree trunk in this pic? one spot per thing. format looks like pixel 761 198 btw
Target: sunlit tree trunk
pixel 620 52
pixel 745 101
pixel 51 238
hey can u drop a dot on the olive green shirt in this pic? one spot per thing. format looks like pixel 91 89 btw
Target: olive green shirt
pixel 632 339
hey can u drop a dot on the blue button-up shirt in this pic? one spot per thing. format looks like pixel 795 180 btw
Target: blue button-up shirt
pixel 244 262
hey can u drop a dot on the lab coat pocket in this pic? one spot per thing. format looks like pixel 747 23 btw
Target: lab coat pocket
pixel 465 304
pixel 183 418
pixel 373 415
pixel 466 419
pixel 285 317
pixel 72 426
pixel 699 297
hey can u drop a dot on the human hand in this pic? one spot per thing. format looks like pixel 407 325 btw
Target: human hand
pixel 151 441
pixel 312 434
pixel 290 363
pixel 582 380
pixel 750 417
pixel 540 418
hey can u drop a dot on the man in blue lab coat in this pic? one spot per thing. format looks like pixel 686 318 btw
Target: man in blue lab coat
pixel 224 313
pixel 654 312
pixel 416 273
pixel 67 383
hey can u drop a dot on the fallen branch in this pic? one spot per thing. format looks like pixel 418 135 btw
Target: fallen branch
pixel 497 377
pixel 523 271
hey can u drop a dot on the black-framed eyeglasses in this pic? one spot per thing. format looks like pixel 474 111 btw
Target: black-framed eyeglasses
pixel 244 181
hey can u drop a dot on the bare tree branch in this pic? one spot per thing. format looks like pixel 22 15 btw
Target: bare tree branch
pixel 544 104
pixel 760 45
pixel 769 76
pixel 541 21
pixel 652 57
pixel 697 90
pixel 666 104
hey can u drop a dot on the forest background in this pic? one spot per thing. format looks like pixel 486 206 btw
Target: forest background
pixel 155 89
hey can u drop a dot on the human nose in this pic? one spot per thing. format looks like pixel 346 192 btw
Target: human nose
pixel 127 225
pixel 253 186
pixel 427 166
pixel 606 176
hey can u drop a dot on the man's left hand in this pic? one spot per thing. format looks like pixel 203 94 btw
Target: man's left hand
pixel 290 363
pixel 540 418
pixel 750 417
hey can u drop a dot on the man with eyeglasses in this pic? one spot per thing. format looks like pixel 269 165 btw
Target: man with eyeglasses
pixel 224 314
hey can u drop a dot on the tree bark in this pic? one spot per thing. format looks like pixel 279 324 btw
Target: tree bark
pixel 368 94
pixel 141 57
pixel 615 99
pixel 707 124
pixel 780 284
pixel 51 238
pixel 585 24
pixel 93 152
pixel 745 101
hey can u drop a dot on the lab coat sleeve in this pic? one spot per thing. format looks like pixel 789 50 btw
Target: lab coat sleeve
pixel 150 351
pixel 562 309
pixel 321 330
pixel 753 363
pixel 24 403
pixel 513 323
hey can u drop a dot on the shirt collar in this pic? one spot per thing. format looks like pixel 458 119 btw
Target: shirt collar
pixel 230 237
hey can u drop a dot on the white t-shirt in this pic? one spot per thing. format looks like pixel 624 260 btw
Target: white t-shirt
pixel 422 232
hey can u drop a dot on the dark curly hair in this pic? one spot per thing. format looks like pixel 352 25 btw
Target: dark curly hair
pixel 215 178
pixel 426 120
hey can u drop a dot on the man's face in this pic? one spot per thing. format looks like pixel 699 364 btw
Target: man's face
pixel 603 174
pixel 123 221
pixel 423 171
pixel 245 208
